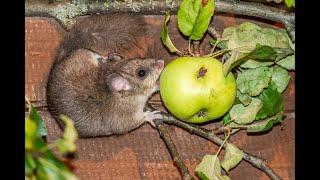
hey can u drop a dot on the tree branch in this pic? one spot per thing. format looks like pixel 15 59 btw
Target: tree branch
pixel 290 29
pixel 66 11
pixel 173 150
pixel 210 135
pixel 261 11
pixel 255 10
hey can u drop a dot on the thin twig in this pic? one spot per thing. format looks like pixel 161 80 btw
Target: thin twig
pixel 218 53
pixel 214 47
pixel 207 134
pixel 179 53
pixel 226 129
pixel 189 47
pixel 173 150
pixel 213 32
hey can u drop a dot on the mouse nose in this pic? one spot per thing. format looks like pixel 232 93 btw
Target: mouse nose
pixel 159 64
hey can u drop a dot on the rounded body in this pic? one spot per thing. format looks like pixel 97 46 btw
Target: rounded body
pixel 98 80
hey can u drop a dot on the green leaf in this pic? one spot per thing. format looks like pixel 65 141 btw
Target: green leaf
pixel 250 34
pixel 237 56
pixel 45 165
pixel 30 133
pixel 30 177
pixel 65 146
pixel 265 125
pixel 67 143
pixel 165 35
pixel 290 3
pixel 270 44
pixel 209 168
pixel 213 41
pixel 283 52
pixel 51 160
pixel 194 17
pixel 281 78
pixel 272 102
pixel 106 3
pixel 35 117
pixel 222 44
pixel 226 119
pixel 288 62
pixel 203 20
pixel 263 53
pixel 245 115
pixel 245 53
pixel 244 98
pixel 232 157
pixel 29 164
pixel 187 15
pixel 38 143
pixel 251 64
pixel 237 101
pixel 49 156
pixel 258 57
pixel 48 170
pixel 253 81
pixel 202 176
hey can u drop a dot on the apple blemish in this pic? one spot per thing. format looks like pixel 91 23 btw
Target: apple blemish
pixel 202 72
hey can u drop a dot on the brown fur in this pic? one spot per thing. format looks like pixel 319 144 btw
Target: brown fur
pixel 78 83
pixel 103 34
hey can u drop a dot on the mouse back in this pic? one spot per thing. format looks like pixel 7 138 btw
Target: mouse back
pixel 105 34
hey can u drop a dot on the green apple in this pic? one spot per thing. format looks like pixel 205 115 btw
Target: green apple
pixel 194 89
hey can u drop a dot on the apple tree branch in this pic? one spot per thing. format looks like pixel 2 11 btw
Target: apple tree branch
pixel 65 10
pixel 173 150
pixel 211 135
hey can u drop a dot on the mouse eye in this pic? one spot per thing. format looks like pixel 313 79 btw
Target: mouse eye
pixel 142 73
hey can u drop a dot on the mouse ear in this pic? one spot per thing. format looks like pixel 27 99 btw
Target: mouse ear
pixel 114 57
pixel 118 83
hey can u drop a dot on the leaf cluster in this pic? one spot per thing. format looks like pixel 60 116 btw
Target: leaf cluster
pixel 40 161
pixel 261 59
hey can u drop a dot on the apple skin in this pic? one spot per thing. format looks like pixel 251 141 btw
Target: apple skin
pixel 185 94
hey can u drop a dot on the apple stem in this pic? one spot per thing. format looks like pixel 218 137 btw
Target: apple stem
pixel 196 48
pixel 214 47
pixel 202 72
pixel 189 47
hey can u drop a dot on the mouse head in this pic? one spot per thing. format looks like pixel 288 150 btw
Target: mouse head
pixel 136 76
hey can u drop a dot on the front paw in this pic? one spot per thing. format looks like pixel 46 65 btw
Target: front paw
pixel 149 116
